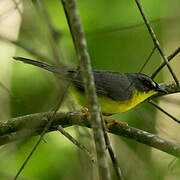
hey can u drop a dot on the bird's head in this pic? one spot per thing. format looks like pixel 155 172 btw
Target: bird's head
pixel 144 83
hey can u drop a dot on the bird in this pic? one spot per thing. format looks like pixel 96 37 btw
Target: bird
pixel 117 92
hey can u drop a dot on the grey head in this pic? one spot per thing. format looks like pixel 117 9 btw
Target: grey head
pixel 144 83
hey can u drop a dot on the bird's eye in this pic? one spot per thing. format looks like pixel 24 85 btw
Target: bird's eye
pixel 149 84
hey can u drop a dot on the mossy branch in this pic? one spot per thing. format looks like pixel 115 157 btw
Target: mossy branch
pixel 33 124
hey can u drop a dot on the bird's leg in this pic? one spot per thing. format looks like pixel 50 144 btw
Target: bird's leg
pixel 111 121
pixel 85 112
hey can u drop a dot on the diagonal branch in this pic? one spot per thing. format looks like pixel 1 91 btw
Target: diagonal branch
pixel 75 142
pixel 155 40
pixel 115 163
pixel 50 118
pixel 147 60
pixel 170 57
pixel 165 112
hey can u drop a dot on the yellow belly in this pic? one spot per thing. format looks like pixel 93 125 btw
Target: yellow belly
pixel 110 106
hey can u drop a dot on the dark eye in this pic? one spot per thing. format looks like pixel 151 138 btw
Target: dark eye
pixel 149 84
pixel 147 81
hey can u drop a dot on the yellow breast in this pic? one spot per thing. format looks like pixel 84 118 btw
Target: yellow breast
pixel 110 106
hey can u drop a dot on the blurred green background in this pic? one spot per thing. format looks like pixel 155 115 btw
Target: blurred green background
pixel 115 42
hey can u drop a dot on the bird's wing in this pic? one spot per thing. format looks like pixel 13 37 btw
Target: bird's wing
pixel 111 84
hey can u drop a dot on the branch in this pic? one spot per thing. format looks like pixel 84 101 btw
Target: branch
pixel 147 60
pixel 75 142
pixel 73 18
pixel 171 87
pixel 170 57
pixel 34 124
pixel 165 112
pixel 155 40
pixel 111 152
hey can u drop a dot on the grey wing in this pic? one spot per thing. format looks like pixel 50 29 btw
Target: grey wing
pixel 114 85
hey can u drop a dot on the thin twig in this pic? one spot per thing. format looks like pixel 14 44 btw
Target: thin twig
pixel 174 54
pixel 165 112
pixel 52 115
pixel 74 141
pixel 79 40
pixel 149 57
pixel 172 164
pixel 156 42
pixel 170 57
pixel 111 152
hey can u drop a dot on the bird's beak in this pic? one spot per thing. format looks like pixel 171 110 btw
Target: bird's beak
pixel 161 90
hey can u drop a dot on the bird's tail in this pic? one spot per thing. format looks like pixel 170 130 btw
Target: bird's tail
pixel 37 63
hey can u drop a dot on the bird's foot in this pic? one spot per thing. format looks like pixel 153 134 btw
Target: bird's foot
pixel 85 112
pixel 111 122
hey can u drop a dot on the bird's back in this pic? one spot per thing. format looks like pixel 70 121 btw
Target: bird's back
pixel 114 85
